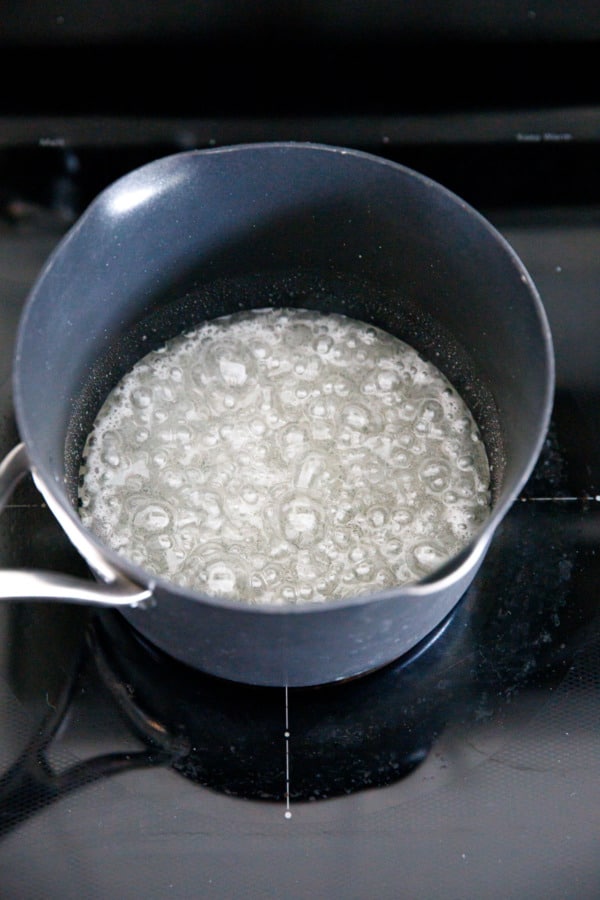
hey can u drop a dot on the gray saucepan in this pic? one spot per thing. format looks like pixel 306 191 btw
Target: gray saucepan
pixel 201 234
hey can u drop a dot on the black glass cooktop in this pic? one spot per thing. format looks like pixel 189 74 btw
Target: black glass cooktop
pixel 467 769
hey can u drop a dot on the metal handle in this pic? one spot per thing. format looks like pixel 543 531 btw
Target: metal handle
pixel 33 584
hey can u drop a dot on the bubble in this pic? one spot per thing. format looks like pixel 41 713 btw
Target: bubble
pixel 323 344
pixel 173 478
pixel 363 571
pixel 199 375
pixel 388 380
pixel 431 411
pixel 356 417
pixel 288 593
pixel 341 537
pixel 250 495
pixel 435 474
pixel 462 425
pixel 429 556
pixel 272 575
pixel 152 518
pixel 402 517
pixel 141 397
pixel 110 457
pixel 378 516
pixel 221 579
pixel 301 521
pixel 318 409
pixel 160 459
pixel 407 411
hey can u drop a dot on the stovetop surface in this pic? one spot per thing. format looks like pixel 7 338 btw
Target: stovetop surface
pixel 467 769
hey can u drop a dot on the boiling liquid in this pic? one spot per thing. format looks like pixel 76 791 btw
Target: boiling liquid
pixel 285 456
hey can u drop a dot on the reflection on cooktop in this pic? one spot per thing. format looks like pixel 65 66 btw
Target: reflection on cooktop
pixel 316 743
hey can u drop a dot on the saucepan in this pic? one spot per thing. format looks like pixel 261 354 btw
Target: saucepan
pixel 204 233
